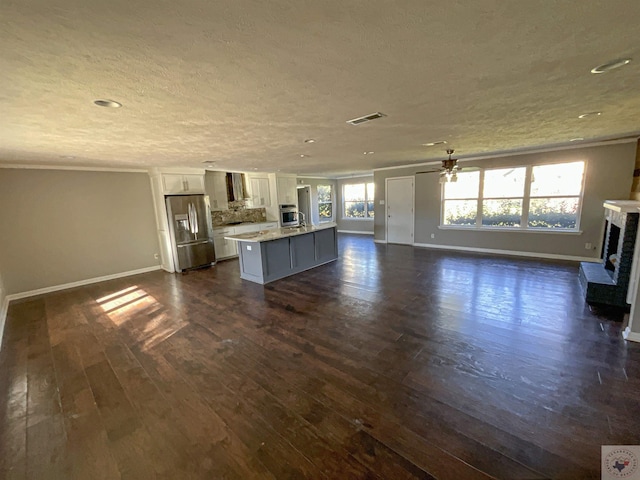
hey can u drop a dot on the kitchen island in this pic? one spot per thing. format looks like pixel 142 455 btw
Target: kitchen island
pixel 269 255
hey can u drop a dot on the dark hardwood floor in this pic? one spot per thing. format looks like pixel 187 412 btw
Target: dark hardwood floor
pixel 391 363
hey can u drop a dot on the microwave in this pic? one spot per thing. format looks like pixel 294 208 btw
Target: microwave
pixel 288 216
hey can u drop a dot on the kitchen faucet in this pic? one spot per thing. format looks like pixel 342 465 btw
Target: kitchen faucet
pixel 302 221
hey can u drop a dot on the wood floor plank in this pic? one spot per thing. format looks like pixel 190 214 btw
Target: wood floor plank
pixel 198 421
pixel 13 408
pixel 130 444
pixel 451 466
pixel 87 444
pixel 393 362
pixel 231 396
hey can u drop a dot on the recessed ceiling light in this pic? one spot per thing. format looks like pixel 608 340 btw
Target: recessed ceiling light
pixel 431 144
pixel 612 65
pixel 67 157
pixel 577 139
pixel 108 103
pixel 310 140
pixel 209 161
pixel 368 153
pixel 302 155
pixel 590 114
pixel 366 118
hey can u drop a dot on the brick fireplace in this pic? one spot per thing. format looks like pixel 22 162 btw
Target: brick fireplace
pixel 607 283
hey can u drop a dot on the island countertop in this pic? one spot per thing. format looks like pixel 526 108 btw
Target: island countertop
pixel 277 233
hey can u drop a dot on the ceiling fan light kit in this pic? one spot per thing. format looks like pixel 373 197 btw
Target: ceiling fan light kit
pixel 449 172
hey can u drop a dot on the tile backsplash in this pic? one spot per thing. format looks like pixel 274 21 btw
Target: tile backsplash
pixel 225 217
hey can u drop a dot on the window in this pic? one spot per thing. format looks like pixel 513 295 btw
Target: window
pixel 502 197
pixel 555 195
pixel 325 203
pixel 530 197
pixel 461 199
pixel 358 200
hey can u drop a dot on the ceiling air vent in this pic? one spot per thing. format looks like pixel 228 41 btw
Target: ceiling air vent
pixel 366 118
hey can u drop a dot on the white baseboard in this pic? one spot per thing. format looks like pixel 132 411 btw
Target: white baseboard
pixel 514 253
pixel 355 231
pixel 89 281
pixel 379 241
pixel 629 335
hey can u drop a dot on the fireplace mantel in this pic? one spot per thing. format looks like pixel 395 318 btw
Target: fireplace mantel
pixel 622 206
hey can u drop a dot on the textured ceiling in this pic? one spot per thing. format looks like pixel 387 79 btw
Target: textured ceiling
pixel 243 82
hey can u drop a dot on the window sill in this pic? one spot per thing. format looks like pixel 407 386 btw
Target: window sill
pixel 358 219
pixel 511 230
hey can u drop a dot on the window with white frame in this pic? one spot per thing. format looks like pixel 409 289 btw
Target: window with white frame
pixel 325 203
pixel 358 200
pixel 534 197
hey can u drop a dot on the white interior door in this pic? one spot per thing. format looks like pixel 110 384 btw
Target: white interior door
pixel 399 202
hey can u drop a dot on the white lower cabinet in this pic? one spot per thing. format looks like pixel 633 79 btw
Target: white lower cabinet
pixel 229 248
pixel 224 248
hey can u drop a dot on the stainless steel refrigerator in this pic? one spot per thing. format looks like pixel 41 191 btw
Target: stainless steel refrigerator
pixel 191 231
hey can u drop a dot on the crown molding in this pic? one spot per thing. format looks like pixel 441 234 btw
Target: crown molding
pixel 347 177
pixel 67 167
pixel 515 153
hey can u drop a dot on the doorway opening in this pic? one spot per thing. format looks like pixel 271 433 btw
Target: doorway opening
pixel 304 203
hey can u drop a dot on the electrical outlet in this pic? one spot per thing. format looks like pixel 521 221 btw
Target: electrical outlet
pixel 433 235
pixel 588 246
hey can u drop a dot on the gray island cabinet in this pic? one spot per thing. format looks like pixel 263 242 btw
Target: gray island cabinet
pixel 269 255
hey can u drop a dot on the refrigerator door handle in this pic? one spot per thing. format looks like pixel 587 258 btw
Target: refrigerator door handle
pixel 195 221
pixel 184 245
pixel 189 217
pixel 190 214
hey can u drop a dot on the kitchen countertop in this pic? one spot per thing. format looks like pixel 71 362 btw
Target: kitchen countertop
pixel 277 233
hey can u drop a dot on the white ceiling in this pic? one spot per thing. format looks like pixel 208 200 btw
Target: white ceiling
pixel 244 82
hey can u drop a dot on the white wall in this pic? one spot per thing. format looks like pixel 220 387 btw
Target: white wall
pixel 608 176
pixel 60 227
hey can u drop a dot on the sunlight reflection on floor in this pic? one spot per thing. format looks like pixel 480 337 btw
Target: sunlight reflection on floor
pixel 128 303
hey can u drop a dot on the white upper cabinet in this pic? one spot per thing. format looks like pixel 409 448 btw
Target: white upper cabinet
pixel 287 191
pixel 176 183
pixel 260 192
pixel 194 183
pixel 216 186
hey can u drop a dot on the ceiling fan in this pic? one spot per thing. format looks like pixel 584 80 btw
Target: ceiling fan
pixel 449 170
